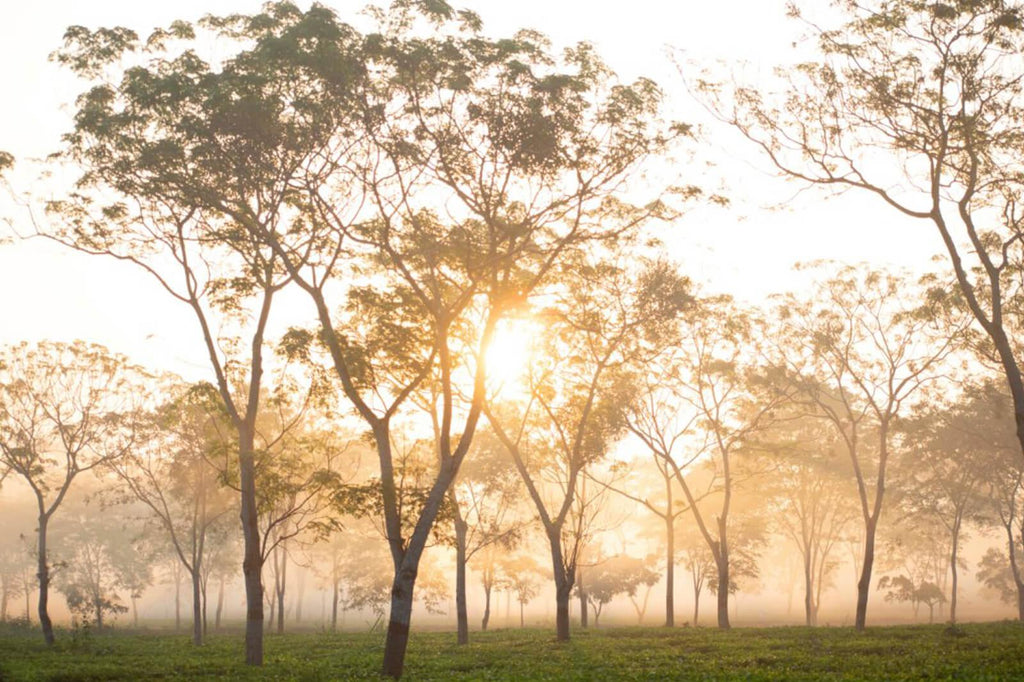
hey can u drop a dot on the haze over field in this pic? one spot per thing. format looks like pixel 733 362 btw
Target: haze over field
pixel 548 315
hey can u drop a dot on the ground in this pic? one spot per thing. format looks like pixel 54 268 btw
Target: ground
pixel 989 651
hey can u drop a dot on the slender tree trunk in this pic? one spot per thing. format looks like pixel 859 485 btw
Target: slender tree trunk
pixel 220 605
pixel 197 608
pixel 952 566
pixel 808 591
pixel 280 584
pixel 3 606
pixel 461 608
pixel 522 617
pixel 696 603
pixel 177 600
pixel 252 562
pixel 722 562
pixel 135 611
pixel 583 597
pixel 99 613
pixel 300 595
pixel 487 606
pixel 864 584
pixel 1020 601
pixel 334 606
pixel 508 606
pixel 43 574
pixel 670 570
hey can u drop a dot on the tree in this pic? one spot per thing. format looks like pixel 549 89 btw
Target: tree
pixel 172 472
pixel 14 562
pixel 947 469
pixel 521 572
pixel 854 352
pixel 610 577
pixel 902 589
pixel 917 104
pixel 813 505
pixel 101 558
pixel 609 321
pixel 179 159
pixel 65 409
pixel 718 388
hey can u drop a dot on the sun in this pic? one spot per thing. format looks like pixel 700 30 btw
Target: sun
pixel 508 355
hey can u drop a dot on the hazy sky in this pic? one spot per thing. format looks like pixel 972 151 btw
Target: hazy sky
pixel 745 249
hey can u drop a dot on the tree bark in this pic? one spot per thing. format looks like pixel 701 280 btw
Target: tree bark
pixel 220 605
pixel 43 573
pixel 864 584
pixel 563 589
pixel 670 571
pixel 280 583
pixel 583 598
pixel 952 565
pixel 723 592
pixel 401 615
pixel 252 562
pixel 197 609
pixel 461 608
pixel 809 609
pixel 487 607
pixel 334 606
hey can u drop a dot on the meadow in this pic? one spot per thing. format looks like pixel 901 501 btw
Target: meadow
pixel 984 651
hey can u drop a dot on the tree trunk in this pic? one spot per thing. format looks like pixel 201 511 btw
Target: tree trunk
pixel 43 574
pixel 670 571
pixel 300 594
pixel 1020 601
pixel 252 562
pixel 723 591
pixel 197 608
pixel 135 611
pixel 864 584
pixel 334 606
pixel 583 598
pixel 563 589
pixel 461 608
pixel 487 607
pixel 220 605
pixel 401 616
pixel 177 600
pixel 952 565
pixel 808 591
pixel 522 617
pixel 696 604
pixel 280 584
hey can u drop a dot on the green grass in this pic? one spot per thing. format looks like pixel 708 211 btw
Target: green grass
pixel 989 651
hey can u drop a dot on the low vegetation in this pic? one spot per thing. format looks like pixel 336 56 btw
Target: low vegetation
pixel 991 651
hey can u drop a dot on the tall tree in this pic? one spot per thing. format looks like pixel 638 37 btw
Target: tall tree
pixel 857 349
pixel 183 159
pixel 607 321
pixel 173 473
pixel 65 409
pixel 716 384
pixel 919 105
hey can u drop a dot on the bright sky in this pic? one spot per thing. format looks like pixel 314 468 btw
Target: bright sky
pixel 745 249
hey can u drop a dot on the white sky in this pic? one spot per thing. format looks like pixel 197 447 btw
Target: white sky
pixel 745 249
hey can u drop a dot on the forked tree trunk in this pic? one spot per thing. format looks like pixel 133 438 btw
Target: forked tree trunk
pixel 43 573
pixel 864 584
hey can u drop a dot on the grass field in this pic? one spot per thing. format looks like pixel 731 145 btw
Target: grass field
pixel 990 651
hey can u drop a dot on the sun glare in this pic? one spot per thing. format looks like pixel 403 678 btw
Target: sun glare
pixel 508 355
